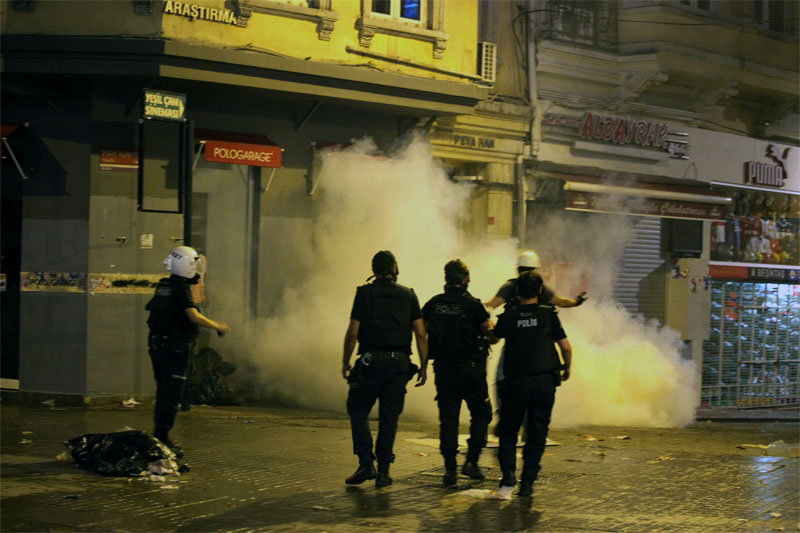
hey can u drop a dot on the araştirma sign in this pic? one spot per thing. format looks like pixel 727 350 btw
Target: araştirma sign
pixel 196 12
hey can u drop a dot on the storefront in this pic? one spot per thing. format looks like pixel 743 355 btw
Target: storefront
pixel 752 354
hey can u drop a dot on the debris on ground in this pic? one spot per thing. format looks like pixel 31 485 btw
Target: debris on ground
pixel 123 453
pixel 26 441
pixel 63 456
pixel 744 446
pixel 71 497
pixel 420 454
pixel 130 402
pixel 503 493
pixel 49 403
pixel 207 381
pixel 601 454
pixel 662 459
pixel 591 437
pixel 27 432
pixel 622 437
pixel 321 508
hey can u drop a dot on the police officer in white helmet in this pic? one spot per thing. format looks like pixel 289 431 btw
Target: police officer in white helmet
pixel 173 322
pixel 508 294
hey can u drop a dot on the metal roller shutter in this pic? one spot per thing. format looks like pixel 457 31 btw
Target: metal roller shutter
pixel 640 283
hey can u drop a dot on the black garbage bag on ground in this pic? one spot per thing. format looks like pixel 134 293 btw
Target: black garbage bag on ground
pixel 124 453
pixel 206 383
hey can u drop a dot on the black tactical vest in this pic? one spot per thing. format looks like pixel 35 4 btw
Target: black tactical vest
pixel 166 315
pixel 452 333
pixel 386 319
pixel 530 348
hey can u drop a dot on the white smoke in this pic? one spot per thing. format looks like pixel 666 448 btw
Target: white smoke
pixel 624 371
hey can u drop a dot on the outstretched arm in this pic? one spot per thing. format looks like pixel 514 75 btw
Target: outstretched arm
pixel 199 319
pixel 560 301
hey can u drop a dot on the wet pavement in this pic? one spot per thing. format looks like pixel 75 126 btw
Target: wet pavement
pixel 279 469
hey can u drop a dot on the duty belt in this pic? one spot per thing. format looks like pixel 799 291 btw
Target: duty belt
pixel 368 357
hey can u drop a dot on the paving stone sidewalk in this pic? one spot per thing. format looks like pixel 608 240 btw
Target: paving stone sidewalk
pixel 277 469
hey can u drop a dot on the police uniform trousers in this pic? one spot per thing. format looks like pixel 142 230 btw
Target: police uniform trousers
pixel 458 381
pixel 383 380
pixel 536 395
pixel 169 357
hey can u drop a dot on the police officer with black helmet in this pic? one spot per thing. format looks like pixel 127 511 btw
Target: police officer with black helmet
pixel 383 316
pixel 532 371
pixel 173 322
pixel 457 324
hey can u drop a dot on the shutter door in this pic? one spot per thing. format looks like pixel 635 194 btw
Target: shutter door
pixel 640 284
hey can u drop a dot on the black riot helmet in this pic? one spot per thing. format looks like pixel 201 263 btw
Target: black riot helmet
pixel 383 263
pixel 456 272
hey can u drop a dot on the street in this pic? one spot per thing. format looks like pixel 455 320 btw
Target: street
pixel 282 469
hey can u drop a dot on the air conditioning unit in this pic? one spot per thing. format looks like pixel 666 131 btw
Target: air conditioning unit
pixel 487 61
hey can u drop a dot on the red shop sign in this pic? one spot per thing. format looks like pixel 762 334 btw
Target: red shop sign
pixel 256 155
pixel 727 271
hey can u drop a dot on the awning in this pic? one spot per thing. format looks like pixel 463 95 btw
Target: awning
pixel 239 148
pixel 589 193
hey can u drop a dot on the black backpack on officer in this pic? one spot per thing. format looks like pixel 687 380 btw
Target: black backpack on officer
pixel 452 335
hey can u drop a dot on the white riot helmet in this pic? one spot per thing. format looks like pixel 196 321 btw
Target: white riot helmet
pixel 528 259
pixel 183 261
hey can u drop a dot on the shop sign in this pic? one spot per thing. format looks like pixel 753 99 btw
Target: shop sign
pixel 586 201
pixel 621 131
pixel 53 281
pixel 471 141
pixel 165 106
pixel 766 175
pixel 754 273
pixel 119 160
pixel 196 12
pixel 256 155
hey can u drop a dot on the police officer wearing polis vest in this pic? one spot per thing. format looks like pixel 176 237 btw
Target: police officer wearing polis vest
pixel 173 322
pixel 383 316
pixel 457 324
pixel 532 371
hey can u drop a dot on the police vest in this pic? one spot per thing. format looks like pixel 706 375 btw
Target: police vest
pixel 452 333
pixel 386 315
pixel 530 348
pixel 166 315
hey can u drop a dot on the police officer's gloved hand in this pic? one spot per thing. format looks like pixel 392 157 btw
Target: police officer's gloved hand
pixel 581 298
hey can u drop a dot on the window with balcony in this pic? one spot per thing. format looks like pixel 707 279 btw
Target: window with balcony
pixel 771 14
pixel 409 11
pixel 587 22
pixel 422 20
pixel 318 12
pixel 704 5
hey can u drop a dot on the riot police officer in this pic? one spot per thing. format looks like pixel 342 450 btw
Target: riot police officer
pixel 457 324
pixel 383 316
pixel 532 371
pixel 173 322
pixel 507 293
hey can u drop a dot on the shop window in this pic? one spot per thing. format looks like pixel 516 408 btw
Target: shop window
pixel 412 19
pixel 751 355
pixel 759 227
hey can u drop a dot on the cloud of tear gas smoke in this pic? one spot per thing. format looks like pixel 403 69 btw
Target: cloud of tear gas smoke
pixel 363 204
pixel 625 371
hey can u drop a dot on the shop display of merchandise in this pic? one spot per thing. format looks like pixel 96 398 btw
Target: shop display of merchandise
pixel 751 356
pixel 758 228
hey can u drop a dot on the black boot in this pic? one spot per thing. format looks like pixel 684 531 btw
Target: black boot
pixel 450 475
pixel 509 479
pixel 526 488
pixel 471 469
pixel 383 479
pixel 365 471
